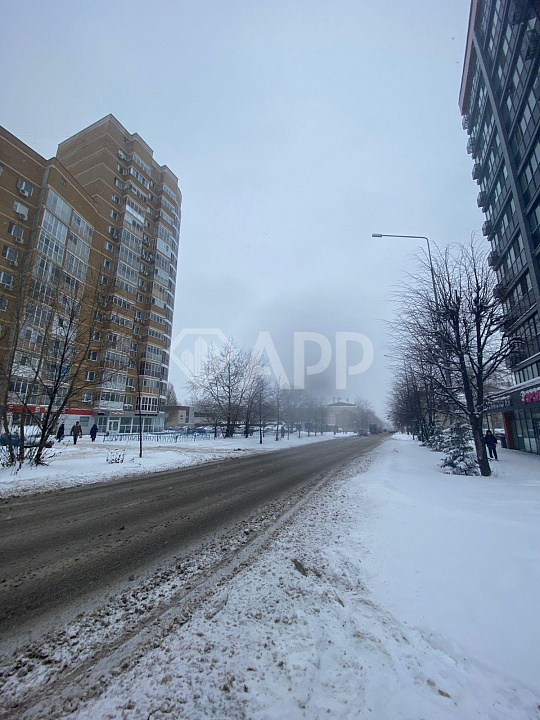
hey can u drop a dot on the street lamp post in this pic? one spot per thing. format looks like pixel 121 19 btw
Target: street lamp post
pixel 418 237
pixel 435 297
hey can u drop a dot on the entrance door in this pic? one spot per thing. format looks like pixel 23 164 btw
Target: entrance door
pixel 114 425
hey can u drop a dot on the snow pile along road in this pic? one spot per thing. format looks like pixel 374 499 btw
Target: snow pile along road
pixel 322 623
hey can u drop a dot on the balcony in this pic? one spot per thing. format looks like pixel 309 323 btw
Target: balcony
pixel 515 357
pixel 487 228
pixel 494 258
pixel 481 200
pixel 533 42
pixel 471 147
pixel 519 12
pixel 477 171
pixel 499 291
pixel 511 318
pixel 109 405
pixel 523 305
pixel 465 122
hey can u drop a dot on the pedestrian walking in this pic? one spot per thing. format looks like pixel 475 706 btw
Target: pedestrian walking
pixel 93 432
pixel 61 433
pixel 76 432
pixel 491 444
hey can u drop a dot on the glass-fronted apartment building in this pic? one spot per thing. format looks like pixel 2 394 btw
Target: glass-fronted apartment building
pixel 501 114
pixel 99 220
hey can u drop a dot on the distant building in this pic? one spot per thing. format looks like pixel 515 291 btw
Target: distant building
pixel 176 415
pixel 102 211
pixel 499 103
pixel 342 414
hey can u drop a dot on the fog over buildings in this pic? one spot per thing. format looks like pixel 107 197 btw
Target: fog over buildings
pixel 296 130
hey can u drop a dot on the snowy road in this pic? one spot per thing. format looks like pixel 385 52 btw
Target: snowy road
pixel 387 591
pixel 60 546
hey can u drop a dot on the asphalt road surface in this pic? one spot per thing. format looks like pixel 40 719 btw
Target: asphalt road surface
pixel 60 546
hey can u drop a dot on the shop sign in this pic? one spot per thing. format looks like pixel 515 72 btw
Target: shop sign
pixel 500 404
pixel 530 396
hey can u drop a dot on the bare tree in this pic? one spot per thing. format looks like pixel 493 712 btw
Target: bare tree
pixel 224 383
pixel 44 367
pixel 14 302
pixel 172 399
pixel 292 403
pixel 450 325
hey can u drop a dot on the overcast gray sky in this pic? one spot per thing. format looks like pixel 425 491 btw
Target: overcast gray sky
pixel 296 128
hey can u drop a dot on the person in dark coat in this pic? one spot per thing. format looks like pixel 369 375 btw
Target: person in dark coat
pixel 76 432
pixel 93 432
pixel 60 433
pixel 491 444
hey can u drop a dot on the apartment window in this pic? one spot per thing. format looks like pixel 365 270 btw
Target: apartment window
pixel 11 254
pixel 120 169
pixel 103 280
pixel 21 210
pixel 109 246
pixel 81 227
pixel 114 214
pixel 62 181
pixel 140 298
pixel 106 263
pixel 87 397
pixel 90 375
pixel 96 335
pixel 92 355
pixel 58 206
pixel 147 404
pixel 116 199
pixel 117 182
pixel 48 246
pixel 6 279
pixel 16 231
pixel 3 303
pixel 25 188
pixel 54 227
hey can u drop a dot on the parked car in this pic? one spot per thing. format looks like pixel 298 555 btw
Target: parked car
pixel 362 432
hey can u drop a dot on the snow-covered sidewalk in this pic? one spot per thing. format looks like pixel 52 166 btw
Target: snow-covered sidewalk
pixel 399 592
pixel 89 462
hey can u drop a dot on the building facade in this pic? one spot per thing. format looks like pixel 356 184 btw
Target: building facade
pixel 499 103
pixel 343 415
pixel 94 230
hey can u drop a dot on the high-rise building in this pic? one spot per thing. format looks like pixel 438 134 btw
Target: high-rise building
pixel 501 113
pixel 93 231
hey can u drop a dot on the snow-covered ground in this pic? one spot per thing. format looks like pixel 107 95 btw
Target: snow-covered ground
pixel 394 592
pixel 87 462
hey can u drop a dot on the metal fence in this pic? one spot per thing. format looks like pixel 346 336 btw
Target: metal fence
pixel 166 437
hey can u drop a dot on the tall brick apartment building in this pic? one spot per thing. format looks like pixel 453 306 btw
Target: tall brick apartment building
pixel 99 220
